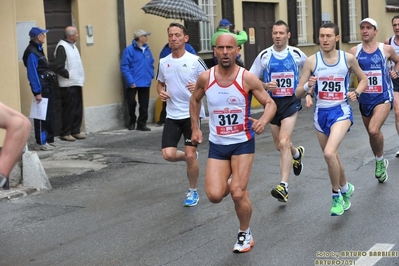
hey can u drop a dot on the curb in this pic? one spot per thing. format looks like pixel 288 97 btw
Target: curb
pixel 17 192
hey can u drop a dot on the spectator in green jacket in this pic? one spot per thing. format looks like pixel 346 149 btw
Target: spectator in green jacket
pixel 224 27
pixel 240 35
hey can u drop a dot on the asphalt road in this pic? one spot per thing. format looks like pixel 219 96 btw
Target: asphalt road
pixel 130 210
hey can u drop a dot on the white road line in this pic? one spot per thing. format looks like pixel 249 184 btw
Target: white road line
pixel 372 260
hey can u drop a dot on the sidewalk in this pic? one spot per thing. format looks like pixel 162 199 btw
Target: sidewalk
pixel 17 192
pixel 81 156
pixel 73 158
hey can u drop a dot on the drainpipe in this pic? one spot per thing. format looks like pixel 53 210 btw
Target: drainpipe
pixel 335 5
pixel 122 46
pixel 121 26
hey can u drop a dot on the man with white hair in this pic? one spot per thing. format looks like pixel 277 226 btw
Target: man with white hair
pixel 71 77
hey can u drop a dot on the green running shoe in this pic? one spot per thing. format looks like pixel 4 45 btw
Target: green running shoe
pixel 347 196
pixel 381 170
pixel 337 208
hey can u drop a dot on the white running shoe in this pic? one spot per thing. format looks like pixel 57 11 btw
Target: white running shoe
pixel 45 147
pixel 244 242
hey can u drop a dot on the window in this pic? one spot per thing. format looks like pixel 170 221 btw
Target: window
pixel 302 26
pixel 353 26
pixel 352 11
pixel 304 20
pixel 207 28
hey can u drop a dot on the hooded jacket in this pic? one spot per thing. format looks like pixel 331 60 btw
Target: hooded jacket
pixel 241 36
pixel 137 65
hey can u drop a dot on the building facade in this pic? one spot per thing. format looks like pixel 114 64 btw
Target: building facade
pixel 106 27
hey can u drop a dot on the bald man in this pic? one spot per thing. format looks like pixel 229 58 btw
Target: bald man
pixel 228 89
pixel 71 78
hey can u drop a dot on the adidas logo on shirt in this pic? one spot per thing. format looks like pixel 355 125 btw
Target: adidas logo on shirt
pixel 184 65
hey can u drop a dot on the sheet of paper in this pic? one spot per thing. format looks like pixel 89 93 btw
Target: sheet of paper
pixel 38 110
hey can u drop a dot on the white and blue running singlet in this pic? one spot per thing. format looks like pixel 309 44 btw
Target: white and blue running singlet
pixel 332 81
pixel 330 93
pixel 229 109
pixel 285 72
pixel 280 66
pixel 379 83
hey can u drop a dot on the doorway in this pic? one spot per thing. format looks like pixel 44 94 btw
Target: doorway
pixel 58 15
pixel 258 20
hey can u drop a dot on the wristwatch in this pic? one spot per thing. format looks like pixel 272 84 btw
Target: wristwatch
pixel 310 94
pixel 357 95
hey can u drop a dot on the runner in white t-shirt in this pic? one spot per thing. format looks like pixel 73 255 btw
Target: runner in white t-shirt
pixel 178 72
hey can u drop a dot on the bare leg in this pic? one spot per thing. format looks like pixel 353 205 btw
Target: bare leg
pixel 172 154
pixel 241 168
pixel 396 107
pixel 330 145
pixel 373 125
pixel 282 139
pixel 192 165
pixel 217 179
pixel 17 128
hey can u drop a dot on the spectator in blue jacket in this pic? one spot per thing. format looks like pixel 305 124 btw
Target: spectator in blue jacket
pixel 166 50
pixel 41 80
pixel 137 67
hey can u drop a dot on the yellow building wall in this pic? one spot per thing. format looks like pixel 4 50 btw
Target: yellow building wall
pixel 103 81
pixel 101 61
pixel 27 11
pixel 383 20
pixel 135 19
pixel 9 89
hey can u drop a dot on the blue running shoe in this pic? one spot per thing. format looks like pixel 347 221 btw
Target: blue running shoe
pixel 192 199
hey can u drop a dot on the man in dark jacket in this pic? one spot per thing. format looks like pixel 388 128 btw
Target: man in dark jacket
pixel 137 67
pixel 41 80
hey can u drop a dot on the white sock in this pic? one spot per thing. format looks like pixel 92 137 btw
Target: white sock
pixel 192 189
pixel 379 158
pixel 245 231
pixel 285 184
pixel 345 188
pixel 296 155
pixel 337 194
pixel 3 180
